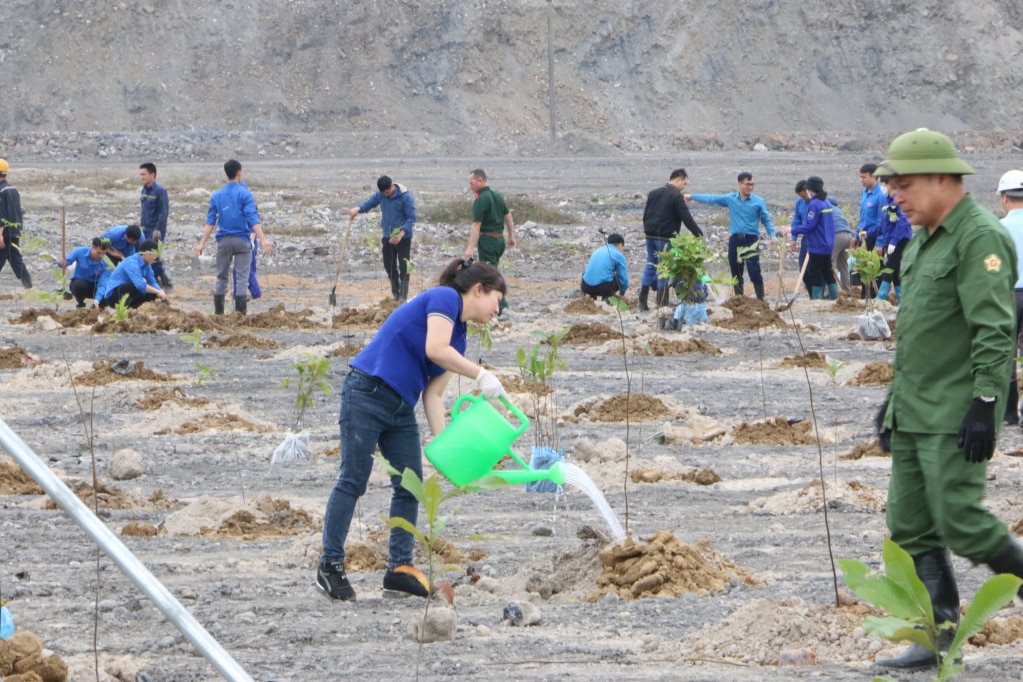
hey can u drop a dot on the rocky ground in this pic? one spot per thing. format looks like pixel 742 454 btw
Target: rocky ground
pixel 705 443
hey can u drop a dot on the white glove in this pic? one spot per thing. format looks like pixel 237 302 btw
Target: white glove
pixel 891 249
pixel 490 385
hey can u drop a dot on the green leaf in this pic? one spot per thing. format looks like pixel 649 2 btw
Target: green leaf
pixel 386 466
pixel 885 593
pixel 398 522
pixel 898 630
pixel 899 568
pixel 854 572
pixel 992 595
pixel 411 483
pixel 432 494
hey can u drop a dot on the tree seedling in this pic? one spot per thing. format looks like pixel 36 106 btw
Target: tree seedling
pixel 312 372
pixel 195 338
pixel 537 367
pixel 482 331
pixel 833 368
pixel 684 263
pixel 121 309
pixel 868 264
pixel 900 592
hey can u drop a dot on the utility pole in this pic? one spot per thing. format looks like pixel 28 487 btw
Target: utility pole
pixel 550 67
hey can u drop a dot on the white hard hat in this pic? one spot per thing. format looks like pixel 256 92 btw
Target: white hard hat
pixel 1011 182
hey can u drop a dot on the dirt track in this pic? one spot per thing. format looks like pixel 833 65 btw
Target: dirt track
pixel 754 541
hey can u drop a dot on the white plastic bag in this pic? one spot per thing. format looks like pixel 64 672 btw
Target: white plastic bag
pixel 295 446
pixel 873 326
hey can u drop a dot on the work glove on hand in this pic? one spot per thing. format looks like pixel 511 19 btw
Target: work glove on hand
pixel 490 385
pixel 884 436
pixel 977 434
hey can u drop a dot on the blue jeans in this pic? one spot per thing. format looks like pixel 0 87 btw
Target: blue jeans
pixel 372 413
pixel 654 246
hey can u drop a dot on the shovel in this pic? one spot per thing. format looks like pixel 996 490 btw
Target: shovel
pixel 799 285
pixel 332 299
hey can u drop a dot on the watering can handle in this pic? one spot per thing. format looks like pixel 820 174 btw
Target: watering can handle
pixel 523 419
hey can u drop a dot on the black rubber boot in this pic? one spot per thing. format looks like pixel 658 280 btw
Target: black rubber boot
pixel 395 288
pixel 26 280
pixel 935 571
pixel 759 288
pixel 165 283
pixel 737 289
pixel 1012 404
pixel 663 297
pixel 218 304
pixel 644 295
pixel 1009 560
pixel 403 289
pixel 241 304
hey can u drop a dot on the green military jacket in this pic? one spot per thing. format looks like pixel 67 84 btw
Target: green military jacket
pixel 956 325
pixel 489 210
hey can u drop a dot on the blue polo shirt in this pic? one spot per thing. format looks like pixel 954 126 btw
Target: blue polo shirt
pixel 744 215
pixel 118 240
pixel 397 354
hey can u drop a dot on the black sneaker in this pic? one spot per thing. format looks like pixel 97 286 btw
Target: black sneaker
pixel 405 581
pixel 332 581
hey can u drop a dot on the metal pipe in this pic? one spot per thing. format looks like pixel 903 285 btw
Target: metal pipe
pixel 122 556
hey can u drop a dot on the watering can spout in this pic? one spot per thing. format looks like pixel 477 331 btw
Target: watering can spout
pixel 515 476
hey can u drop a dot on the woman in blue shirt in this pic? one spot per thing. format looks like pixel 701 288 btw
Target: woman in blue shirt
pixel 415 352
pixel 819 228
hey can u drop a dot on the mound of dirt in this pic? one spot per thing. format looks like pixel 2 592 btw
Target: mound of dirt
pixel 845 304
pixel 664 567
pixel 272 518
pixel 584 306
pixel 23 653
pixel 139 530
pixel 514 383
pixel 240 341
pixel 749 314
pixel 348 350
pixel 638 407
pixel 698 476
pixel 808 498
pixel 813 360
pixel 14 480
pixel 154 398
pixel 216 422
pixel 110 497
pixel 658 346
pixel 16 358
pixel 774 431
pixel 590 332
pixel 365 317
pixel 872 449
pixel 873 374
pixel 762 628
pixel 453 555
pixel 111 371
pixel 999 631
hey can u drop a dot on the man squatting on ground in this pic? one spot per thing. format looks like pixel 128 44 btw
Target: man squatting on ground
pixel 11 220
pixel 663 215
pixel 120 240
pixel 956 341
pixel 92 267
pixel 397 218
pixel 490 217
pixel 133 277
pixel 607 272
pixel 746 211
pixel 233 212
pixel 1010 192
pixel 153 218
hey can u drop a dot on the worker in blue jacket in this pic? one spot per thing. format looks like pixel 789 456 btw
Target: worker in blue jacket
pixel 607 272
pixel 91 268
pixel 819 229
pixel 155 208
pixel 133 277
pixel 871 200
pixel 120 241
pixel 894 234
pixel 746 212
pixel 398 216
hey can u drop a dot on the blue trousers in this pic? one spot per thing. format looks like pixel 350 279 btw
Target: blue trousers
pixel 654 247
pixel 742 248
pixel 371 414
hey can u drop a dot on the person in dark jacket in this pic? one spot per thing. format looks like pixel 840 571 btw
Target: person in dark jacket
pixel 155 209
pixel 11 220
pixel 819 228
pixel 398 217
pixel 665 212
pixel 892 238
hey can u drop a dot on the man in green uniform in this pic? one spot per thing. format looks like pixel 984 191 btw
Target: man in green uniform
pixel 490 217
pixel 955 329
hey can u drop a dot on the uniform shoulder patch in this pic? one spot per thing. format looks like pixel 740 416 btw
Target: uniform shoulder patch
pixel 993 263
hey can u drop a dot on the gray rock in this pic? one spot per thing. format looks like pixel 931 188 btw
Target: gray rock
pixel 126 464
pixel 543 585
pixel 487 584
pixel 438 626
pixel 522 613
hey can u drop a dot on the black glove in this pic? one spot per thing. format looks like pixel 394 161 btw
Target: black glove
pixel 884 436
pixel 977 434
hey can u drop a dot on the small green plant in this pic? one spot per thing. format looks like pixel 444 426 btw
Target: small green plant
pixel 395 231
pixel 833 368
pixel 868 264
pixel 618 303
pixel 312 372
pixel 203 373
pixel 901 593
pixel 370 241
pixel 482 331
pixel 684 262
pixel 121 309
pixel 537 367
pixel 195 338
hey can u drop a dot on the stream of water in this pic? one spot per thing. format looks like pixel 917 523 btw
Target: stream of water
pixel 577 478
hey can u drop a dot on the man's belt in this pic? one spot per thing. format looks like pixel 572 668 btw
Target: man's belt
pixel 496 235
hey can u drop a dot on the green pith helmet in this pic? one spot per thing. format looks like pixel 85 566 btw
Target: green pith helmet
pixel 922 151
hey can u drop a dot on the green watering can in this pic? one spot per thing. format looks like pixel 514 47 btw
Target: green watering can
pixel 477 439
